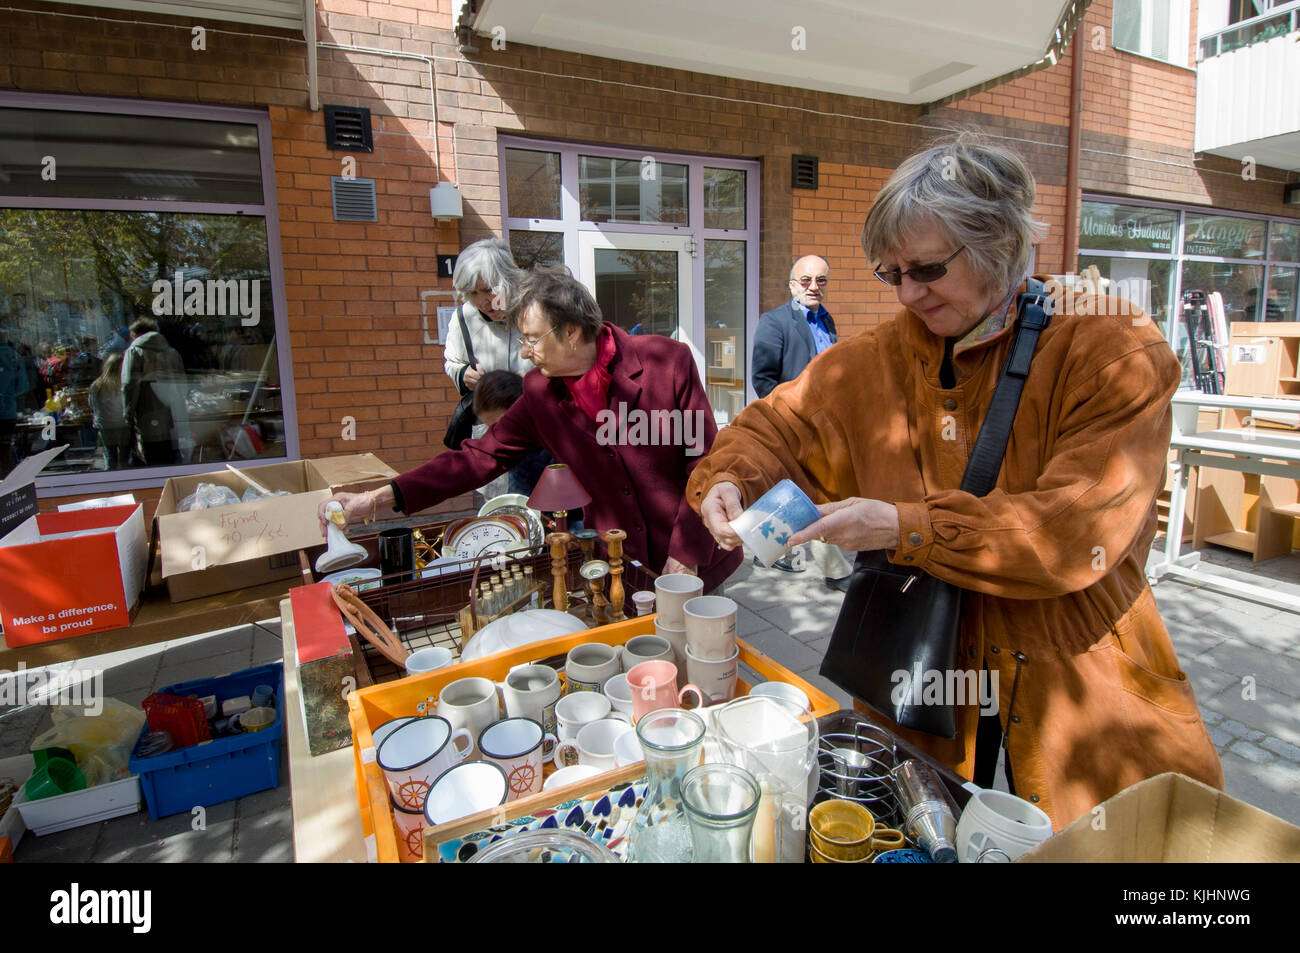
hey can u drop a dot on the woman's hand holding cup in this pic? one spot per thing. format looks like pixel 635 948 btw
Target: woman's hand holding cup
pixel 721 505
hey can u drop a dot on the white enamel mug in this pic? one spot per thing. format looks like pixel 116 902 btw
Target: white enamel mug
pixel 410 833
pixel 416 753
pixel 516 746
pixel 465 789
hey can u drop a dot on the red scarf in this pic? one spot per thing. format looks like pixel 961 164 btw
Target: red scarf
pixel 591 391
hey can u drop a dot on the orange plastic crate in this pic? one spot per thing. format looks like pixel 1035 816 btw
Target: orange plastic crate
pixel 368 708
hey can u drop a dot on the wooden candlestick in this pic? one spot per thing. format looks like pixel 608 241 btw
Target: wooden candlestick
pixel 614 543
pixel 559 566
pixel 587 540
pixel 598 613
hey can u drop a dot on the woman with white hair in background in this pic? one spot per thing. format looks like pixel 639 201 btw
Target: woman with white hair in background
pixel 486 278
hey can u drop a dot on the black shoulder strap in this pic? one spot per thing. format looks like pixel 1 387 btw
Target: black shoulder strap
pixel 991 444
pixel 464 331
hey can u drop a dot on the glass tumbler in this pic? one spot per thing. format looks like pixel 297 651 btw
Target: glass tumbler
pixel 673 742
pixel 721 801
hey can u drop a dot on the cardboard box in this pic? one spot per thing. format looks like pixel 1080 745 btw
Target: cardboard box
pixel 1172 819
pixel 204 552
pixel 354 473
pixel 68 574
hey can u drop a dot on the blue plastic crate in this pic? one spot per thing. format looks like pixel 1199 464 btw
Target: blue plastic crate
pixel 219 770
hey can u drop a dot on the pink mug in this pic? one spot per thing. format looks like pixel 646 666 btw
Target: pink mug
pixel 654 686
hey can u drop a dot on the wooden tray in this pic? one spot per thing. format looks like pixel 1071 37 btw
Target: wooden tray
pixel 368 708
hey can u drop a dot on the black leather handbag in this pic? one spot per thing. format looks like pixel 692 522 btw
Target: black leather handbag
pixel 463 419
pixel 897 624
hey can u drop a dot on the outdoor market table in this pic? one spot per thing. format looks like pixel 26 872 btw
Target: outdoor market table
pixel 326 820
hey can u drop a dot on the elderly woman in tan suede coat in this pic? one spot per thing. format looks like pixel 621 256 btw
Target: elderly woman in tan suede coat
pixel 877 431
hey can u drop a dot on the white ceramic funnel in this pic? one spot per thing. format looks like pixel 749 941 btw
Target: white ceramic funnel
pixel 342 553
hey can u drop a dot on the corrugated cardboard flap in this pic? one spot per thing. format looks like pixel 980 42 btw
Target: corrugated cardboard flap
pixel 1172 818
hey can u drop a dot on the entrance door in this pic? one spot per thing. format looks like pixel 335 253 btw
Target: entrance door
pixel 642 283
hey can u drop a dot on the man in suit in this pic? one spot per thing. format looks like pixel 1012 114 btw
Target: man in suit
pixel 788 338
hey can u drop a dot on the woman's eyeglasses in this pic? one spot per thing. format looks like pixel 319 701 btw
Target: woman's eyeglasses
pixel 922 273
pixel 805 281
pixel 531 343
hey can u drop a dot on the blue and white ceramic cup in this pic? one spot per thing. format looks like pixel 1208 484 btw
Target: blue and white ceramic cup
pixel 766 527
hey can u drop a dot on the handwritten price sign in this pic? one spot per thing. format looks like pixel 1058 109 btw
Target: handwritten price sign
pixel 241 528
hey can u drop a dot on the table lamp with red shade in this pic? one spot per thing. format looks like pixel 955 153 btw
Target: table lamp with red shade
pixel 559 491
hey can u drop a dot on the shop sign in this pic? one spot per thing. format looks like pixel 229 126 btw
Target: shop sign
pixel 1224 237
pixel 1126 228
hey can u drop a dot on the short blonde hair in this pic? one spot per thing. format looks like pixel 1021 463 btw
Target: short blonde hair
pixel 980 194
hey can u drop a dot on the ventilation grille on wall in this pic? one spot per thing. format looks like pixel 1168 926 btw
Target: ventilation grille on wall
pixel 354 200
pixel 348 127
pixel 803 172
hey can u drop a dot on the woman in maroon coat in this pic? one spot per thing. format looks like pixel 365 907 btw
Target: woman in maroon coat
pixel 627 414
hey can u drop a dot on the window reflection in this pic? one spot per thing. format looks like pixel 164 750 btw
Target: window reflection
pixel 203 387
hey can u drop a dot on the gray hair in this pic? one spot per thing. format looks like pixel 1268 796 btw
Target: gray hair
pixel 490 260
pixel 980 194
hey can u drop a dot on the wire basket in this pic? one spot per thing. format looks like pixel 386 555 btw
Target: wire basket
pixel 425 610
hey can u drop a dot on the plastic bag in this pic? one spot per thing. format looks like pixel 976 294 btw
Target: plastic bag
pixel 253 494
pixel 207 496
pixel 101 743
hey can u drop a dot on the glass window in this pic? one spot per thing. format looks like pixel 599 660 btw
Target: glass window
pixel 724 327
pixel 1114 227
pixel 533 183
pixel 724 198
pixel 56 154
pixel 204 387
pixel 537 248
pixel 632 190
pixel 1144 281
pixel 638 290
pixel 1155 28
pixel 1223 236
pixel 1284 243
pixel 1282 294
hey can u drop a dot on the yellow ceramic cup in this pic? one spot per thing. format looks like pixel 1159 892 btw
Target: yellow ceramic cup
pixel 256 719
pixel 845 832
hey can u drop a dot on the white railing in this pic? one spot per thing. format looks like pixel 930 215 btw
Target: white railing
pixel 1283 18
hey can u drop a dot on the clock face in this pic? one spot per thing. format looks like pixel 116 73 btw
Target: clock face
pixel 595 569
pixel 484 535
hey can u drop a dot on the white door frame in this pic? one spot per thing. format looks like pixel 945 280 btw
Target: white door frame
pixel 690 322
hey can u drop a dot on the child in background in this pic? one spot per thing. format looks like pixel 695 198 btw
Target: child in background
pixel 495 394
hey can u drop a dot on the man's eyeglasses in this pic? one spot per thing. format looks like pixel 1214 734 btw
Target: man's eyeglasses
pixel 805 281
pixel 922 273
pixel 531 343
